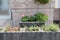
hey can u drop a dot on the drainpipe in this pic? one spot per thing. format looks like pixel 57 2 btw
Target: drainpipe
pixel 11 18
pixel 59 19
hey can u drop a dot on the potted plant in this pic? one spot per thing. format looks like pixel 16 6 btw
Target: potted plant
pixel 42 1
pixel 37 19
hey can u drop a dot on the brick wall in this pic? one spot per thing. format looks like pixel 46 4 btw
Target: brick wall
pixel 28 7
pixel 56 13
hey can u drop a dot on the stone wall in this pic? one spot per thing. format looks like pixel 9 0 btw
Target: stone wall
pixel 28 7
pixel 30 36
pixel 56 13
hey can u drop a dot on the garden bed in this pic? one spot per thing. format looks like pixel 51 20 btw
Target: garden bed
pixel 51 28
pixel 17 33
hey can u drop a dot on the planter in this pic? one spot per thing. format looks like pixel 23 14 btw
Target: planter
pixel 28 24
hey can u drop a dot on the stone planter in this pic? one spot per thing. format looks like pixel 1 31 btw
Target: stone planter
pixel 28 24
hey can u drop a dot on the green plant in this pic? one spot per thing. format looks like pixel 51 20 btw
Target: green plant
pixel 52 27
pixel 25 19
pixel 32 28
pixel 32 18
pixel 46 28
pixel 40 17
pixel 42 1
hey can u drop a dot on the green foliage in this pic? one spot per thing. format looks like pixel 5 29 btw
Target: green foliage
pixel 42 1
pixel 32 18
pixel 52 27
pixel 28 19
pixel 25 19
pixel 32 28
pixel 40 17
pixel 46 29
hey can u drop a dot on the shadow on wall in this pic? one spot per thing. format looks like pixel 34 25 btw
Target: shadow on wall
pixel 56 21
pixel 56 16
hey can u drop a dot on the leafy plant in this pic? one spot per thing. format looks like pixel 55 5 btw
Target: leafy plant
pixel 32 28
pixel 45 28
pixel 42 1
pixel 25 19
pixel 32 18
pixel 52 27
pixel 40 17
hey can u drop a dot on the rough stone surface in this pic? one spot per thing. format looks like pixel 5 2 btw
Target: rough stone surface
pixel 30 36
pixel 28 7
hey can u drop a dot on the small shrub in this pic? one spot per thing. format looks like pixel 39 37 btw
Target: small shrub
pixel 52 27
pixel 42 1
pixel 40 17
pixel 46 28
pixel 32 28
pixel 32 19
pixel 25 19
